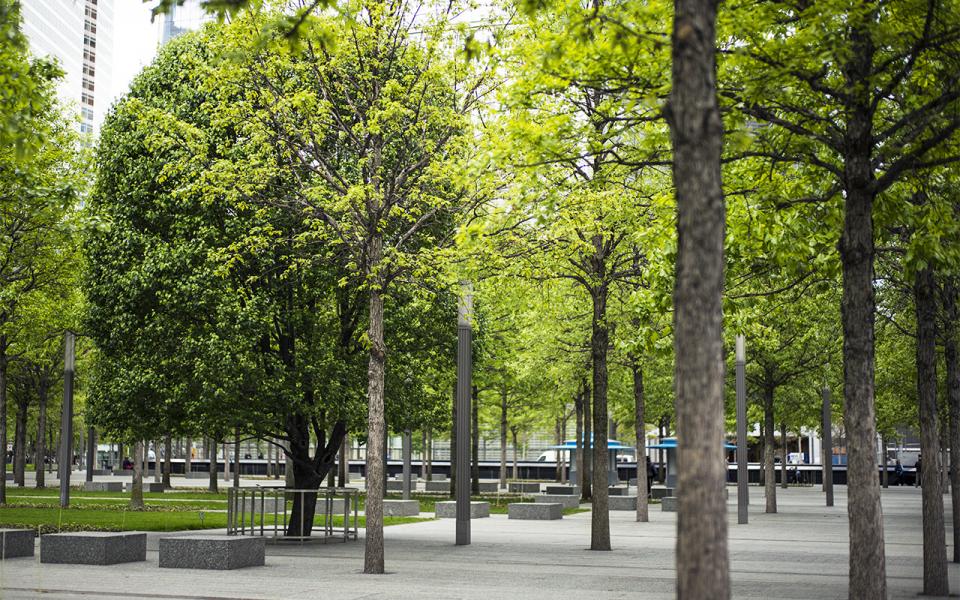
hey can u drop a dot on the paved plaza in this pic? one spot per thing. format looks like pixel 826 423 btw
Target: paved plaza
pixel 799 553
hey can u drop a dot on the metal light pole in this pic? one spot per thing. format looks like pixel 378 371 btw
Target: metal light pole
pixel 743 498
pixel 827 451
pixel 66 420
pixel 464 377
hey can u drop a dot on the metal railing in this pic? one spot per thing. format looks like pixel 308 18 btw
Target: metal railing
pixel 268 512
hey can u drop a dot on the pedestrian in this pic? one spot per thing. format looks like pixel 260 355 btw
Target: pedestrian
pixel 650 474
pixel 917 482
pixel 898 471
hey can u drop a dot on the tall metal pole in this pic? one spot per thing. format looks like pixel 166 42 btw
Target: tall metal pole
pixel 406 464
pixel 66 420
pixel 743 498
pixel 827 452
pixel 464 380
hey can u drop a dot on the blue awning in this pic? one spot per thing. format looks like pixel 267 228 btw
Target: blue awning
pixel 611 445
pixel 671 443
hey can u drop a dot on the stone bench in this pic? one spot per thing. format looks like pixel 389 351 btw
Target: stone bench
pixel 448 510
pixel 148 486
pixel 436 477
pixel 534 511
pixel 489 487
pixel 616 491
pixel 220 552
pixel 524 487
pixel 564 500
pixel 571 490
pixel 622 503
pixel 197 475
pixel 437 486
pixel 668 504
pixel 93 548
pixel 103 486
pixel 657 492
pixel 401 508
pixel 397 486
pixel 16 542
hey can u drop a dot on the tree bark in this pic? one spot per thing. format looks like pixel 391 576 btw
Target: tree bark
pixel 580 451
pixel 136 489
pixel 953 404
pixel 643 511
pixel 167 461
pixel 587 479
pixel 783 454
pixel 373 558
pixel 236 458
pixel 475 444
pixel 453 445
pixel 600 340
pixel 885 478
pixel 935 582
pixel 3 419
pixel 516 451
pixel 42 391
pixel 769 474
pixel 503 437
pixel 696 132
pixel 20 441
pixel 344 463
pixel 868 577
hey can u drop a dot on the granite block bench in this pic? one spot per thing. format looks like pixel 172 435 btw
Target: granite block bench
pixel 622 503
pixel 198 475
pixel 658 492
pixel 534 511
pixel 524 487
pixel 16 542
pixel 616 491
pixel 394 485
pixel 489 487
pixel 103 486
pixel 565 500
pixel 668 504
pixel 448 510
pixel 148 486
pixel 570 490
pixel 219 552
pixel 93 547
pixel 401 508
pixel 437 486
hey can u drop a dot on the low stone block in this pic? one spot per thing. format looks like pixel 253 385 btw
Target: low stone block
pixel 396 486
pixel 198 475
pixel 148 486
pixel 570 490
pixel 437 486
pixel 338 506
pixel 632 481
pixel 622 503
pixel 93 548
pixel 616 491
pixel 268 505
pixel 565 500
pixel 401 508
pixel 102 472
pixel 658 492
pixel 219 552
pixel 489 487
pixel 103 486
pixel 448 510
pixel 436 477
pixel 534 511
pixel 16 542
pixel 524 487
pixel 668 504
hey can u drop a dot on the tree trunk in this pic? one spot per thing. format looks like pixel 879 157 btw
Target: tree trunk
pixel 214 472
pixel 167 461
pixel 136 489
pixel 429 454
pixel 557 441
pixel 503 437
pixel 20 441
pixel 3 419
pixel 344 466
pixel 453 445
pixel 783 454
pixel 373 558
pixel 696 132
pixel 188 457
pixel 475 444
pixel 935 582
pixel 236 458
pixel 662 429
pixel 587 479
pixel 953 405
pixel 516 450
pixel 868 577
pixel 643 514
pixel 600 339
pixel 885 478
pixel 769 470
pixel 580 445
pixel 42 391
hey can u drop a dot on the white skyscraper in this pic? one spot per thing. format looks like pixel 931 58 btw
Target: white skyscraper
pixel 79 34
pixel 182 18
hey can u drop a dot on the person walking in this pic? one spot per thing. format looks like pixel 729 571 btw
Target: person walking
pixel 918 466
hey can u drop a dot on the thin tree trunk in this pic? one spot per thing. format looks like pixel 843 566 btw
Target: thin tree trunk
pixel 344 467
pixel 935 582
pixel 3 419
pixel 475 444
pixel 769 470
pixel 188 457
pixel 214 472
pixel 167 461
pixel 136 488
pixel 953 404
pixel 20 442
pixel 661 433
pixel 587 479
pixel 600 340
pixel 453 445
pixel 885 479
pixel 580 445
pixel 696 132
pixel 373 558
pixel 157 478
pixel 429 454
pixel 868 578
pixel 783 454
pixel 503 437
pixel 236 458
pixel 643 511
pixel 42 391
pixel 516 450
pixel 557 441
